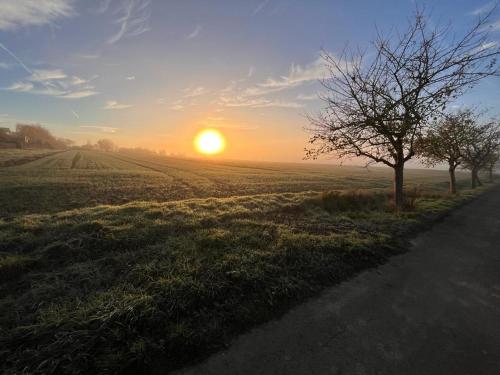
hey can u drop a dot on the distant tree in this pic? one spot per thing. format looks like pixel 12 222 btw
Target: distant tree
pixel 445 142
pixel 378 103
pixel 36 136
pixel 481 149
pixel 491 164
pixel 105 145
pixel 88 146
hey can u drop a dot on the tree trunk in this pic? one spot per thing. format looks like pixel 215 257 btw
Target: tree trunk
pixel 475 179
pixel 398 186
pixel 453 180
pixel 490 172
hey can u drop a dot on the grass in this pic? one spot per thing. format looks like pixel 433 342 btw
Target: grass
pixel 148 287
pixel 77 179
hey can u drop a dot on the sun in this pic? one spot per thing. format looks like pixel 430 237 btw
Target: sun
pixel 209 142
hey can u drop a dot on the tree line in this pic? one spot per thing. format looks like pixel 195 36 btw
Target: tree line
pixel 389 104
pixel 31 136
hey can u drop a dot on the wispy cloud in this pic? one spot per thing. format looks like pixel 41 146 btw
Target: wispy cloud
pixel 239 101
pixel 485 8
pixel 102 129
pixel 89 56
pixel 251 71
pixel 177 105
pixel 130 78
pixel 113 104
pixel 4 65
pixel 260 6
pixel 24 13
pixel 103 6
pixel 307 96
pixel 494 26
pixel 222 123
pixel 78 94
pixel 133 19
pixel 296 76
pixel 192 92
pixel 54 82
pixel 193 34
pixel 234 95
pixel 43 75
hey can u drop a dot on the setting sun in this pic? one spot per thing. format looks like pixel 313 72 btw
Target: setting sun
pixel 209 142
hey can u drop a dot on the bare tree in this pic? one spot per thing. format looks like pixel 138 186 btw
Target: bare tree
pixel 378 103
pixel 481 149
pixel 445 142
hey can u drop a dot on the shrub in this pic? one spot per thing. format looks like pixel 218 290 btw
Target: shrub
pixel 353 200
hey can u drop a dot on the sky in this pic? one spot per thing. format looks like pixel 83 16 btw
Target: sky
pixel 153 73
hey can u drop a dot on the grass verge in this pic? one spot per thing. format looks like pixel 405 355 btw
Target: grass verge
pixel 112 289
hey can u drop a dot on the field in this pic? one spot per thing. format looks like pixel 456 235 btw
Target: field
pixel 76 179
pixel 127 263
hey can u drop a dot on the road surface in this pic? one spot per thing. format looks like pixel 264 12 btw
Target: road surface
pixel 433 310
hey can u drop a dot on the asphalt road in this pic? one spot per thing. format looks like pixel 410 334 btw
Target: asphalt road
pixel 433 310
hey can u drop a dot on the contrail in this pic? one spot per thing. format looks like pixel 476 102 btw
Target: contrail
pixel 2 46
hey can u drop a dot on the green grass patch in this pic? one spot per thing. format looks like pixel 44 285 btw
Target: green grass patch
pixel 142 286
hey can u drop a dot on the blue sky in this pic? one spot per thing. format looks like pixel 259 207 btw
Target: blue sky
pixel 153 72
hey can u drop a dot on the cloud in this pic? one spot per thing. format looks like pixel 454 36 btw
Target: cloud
pixel 104 6
pixel 177 105
pixel 20 87
pixel 130 78
pixel 78 94
pixel 222 123
pixel 54 82
pixel 24 13
pixel 494 26
pixel 192 92
pixel 307 97
pixel 251 71
pixel 260 7
pixel 160 101
pixel 239 101
pixel 4 65
pixel 42 75
pixel 485 8
pixel 113 104
pixel 89 56
pixel 297 75
pixel 486 46
pixel 102 129
pixel 194 33
pixel 253 97
pixel 133 19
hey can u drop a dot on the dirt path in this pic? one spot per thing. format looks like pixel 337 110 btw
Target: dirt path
pixel 434 310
